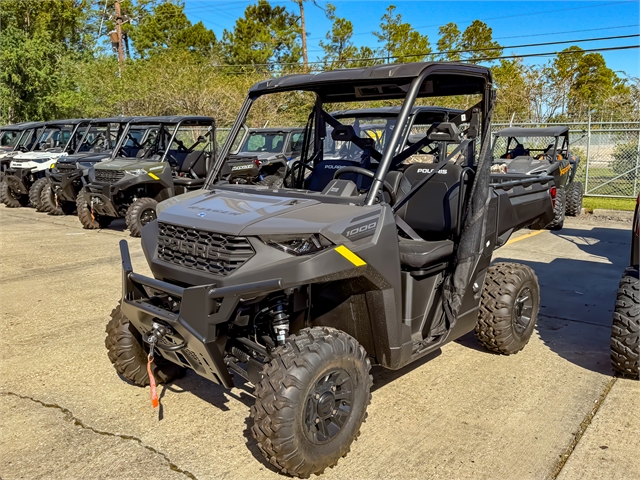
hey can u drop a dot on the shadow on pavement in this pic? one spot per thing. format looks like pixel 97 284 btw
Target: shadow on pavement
pixel 577 296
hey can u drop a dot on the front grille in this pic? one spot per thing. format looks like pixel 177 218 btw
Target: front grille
pixel 209 252
pixel 66 167
pixel 108 176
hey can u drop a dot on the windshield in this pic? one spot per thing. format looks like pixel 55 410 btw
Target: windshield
pixel 54 137
pixel 9 138
pixel 264 142
pixel 536 147
pixel 139 140
pixel 100 138
pixel 377 129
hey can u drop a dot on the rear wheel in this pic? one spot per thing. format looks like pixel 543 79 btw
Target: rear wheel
pixel 558 210
pixel 272 181
pixel 508 308
pixel 128 353
pixel 574 199
pixel 88 219
pixel 141 212
pixel 625 331
pixel 12 199
pixel 35 192
pixel 311 401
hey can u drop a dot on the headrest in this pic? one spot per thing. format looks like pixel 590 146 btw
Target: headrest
pixel 445 132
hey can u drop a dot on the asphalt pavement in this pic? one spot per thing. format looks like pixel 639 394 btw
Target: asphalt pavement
pixel 554 410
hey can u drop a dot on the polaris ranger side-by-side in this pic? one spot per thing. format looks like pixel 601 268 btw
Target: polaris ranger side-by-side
pixel 16 139
pixel 71 173
pixel 543 151
pixel 300 290
pixel 173 158
pixel 264 155
pixel 25 178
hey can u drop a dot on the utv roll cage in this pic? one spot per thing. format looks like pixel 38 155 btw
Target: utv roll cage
pixel 559 133
pixel 161 142
pixel 383 82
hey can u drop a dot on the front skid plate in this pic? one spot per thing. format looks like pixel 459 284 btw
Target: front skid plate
pixel 202 308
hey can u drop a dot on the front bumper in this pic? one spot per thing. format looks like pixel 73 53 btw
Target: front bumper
pixel 66 185
pixel 195 318
pixel 100 196
pixel 19 179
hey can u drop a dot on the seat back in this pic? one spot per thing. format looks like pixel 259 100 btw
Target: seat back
pixel 195 161
pixel 323 173
pixel 434 209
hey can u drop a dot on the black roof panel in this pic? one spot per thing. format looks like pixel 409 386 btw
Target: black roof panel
pixel 382 81
pixel 533 132
pixel 171 119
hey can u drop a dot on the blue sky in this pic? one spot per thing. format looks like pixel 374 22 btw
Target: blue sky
pixel 513 22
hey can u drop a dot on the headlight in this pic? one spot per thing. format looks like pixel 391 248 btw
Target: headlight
pixel 296 244
pixel 139 171
pixel 53 166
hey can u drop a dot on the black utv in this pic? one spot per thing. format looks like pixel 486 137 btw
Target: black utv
pixel 300 290
pixel 70 174
pixel 625 331
pixel 172 158
pixel 264 155
pixel 25 178
pixel 543 151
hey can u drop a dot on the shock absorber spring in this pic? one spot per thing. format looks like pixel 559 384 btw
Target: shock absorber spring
pixel 280 319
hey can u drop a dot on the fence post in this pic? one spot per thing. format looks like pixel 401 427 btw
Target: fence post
pixel 586 173
pixel 635 173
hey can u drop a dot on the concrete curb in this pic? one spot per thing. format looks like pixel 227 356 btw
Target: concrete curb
pixel 621 215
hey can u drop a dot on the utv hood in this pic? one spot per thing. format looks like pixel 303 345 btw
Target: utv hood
pixel 132 164
pixel 89 157
pixel 38 156
pixel 238 213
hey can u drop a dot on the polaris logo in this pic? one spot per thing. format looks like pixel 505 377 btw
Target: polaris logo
pixel 429 170
pixel 243 167
pixel 333 167
pixel 189 248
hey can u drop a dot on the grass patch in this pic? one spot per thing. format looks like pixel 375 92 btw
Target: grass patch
pixel 589 203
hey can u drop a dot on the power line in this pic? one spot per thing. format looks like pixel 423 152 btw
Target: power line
pixel 509 16
pixel 449 52
pixel 483 59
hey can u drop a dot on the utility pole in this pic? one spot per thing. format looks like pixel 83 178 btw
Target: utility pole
pixel 119 33
pixel 305 58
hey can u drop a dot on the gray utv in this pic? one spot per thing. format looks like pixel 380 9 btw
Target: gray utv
pixel 172 158
pixel 300 290
pixel 264 155
pixel 543 151
pixel 70 174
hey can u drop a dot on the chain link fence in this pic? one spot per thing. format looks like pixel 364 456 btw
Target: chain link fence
pixel 609 155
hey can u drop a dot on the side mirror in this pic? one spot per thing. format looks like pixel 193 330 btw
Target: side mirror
pixel 444 132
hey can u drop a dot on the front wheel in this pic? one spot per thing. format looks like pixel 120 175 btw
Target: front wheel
pixel 625 331
pixel 12 199
pixel 508 308
pixel 35 193
pixel 311 401
pixel 141 212
pixel 87 218
pixel 128 353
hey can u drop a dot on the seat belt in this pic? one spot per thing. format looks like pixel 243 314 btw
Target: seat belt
pixel 406 228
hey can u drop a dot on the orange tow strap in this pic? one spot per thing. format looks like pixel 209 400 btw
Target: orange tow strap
pixel 152 384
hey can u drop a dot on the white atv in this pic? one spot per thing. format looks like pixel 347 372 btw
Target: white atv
pixel 25 178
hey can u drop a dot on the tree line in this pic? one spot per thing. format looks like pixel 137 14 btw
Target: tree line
pixel 55 63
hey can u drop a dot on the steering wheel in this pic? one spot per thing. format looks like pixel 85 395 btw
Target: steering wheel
pixel 295 165
pixel 367 173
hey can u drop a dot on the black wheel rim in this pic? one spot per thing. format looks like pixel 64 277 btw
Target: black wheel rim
pixel 147 216
pixel 328 406
pixel 523 310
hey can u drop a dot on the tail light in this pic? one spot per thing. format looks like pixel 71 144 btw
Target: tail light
pixel 257 162
pixel 553 191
